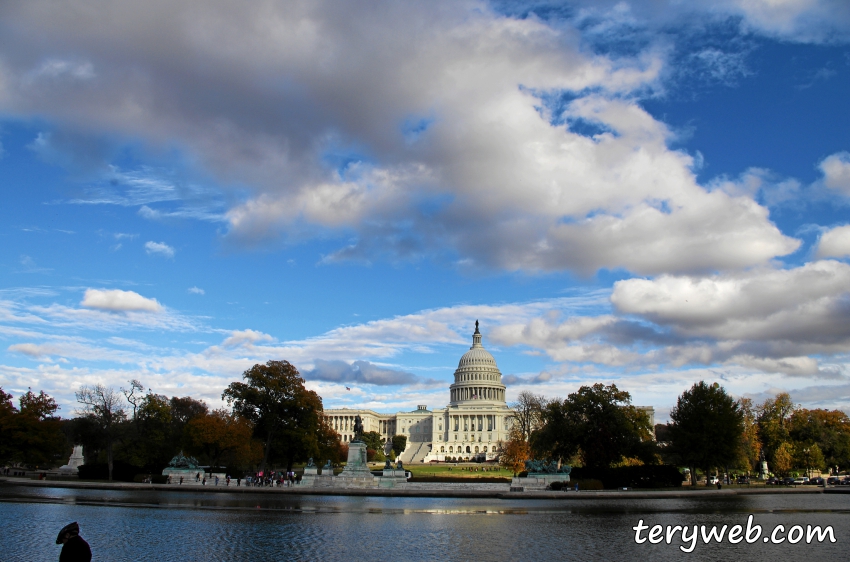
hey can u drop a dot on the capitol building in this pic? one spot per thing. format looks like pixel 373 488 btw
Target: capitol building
pixel 469 428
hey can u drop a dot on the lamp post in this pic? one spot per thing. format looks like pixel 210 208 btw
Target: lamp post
pixel 806 460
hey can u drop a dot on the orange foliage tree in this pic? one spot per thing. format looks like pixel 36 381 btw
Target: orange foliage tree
pixel 515 451
pixel 220 433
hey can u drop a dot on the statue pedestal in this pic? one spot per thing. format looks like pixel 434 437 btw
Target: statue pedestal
pixel 356 473
pixel 189 476
pixel 393 478
pixel 537 481
pixel 309 476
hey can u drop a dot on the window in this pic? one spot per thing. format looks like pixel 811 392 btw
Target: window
pixel 442 449
pixel 451 449
pixel 485 448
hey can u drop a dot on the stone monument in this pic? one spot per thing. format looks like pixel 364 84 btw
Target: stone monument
pixel 356 472
pixel 763 472
pixel 69 471
pixel 541 474
pixel 74 462
pixel 183 467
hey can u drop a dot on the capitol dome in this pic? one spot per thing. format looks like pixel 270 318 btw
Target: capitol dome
pixel 477 377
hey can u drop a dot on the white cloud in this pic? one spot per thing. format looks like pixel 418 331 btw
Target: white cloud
pixel 116 300
pixel 836 172
pixel 246 337
pixel 196 291
pixel 834 243
pixel 803 304
pixel 159 248
pixel 415 129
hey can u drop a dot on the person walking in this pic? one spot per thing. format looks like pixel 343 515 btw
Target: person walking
pixel 74 547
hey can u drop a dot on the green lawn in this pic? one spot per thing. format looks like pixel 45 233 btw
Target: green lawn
pixel 458 471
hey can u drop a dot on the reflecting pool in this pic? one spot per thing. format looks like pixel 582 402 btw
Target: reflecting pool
pixel 149 525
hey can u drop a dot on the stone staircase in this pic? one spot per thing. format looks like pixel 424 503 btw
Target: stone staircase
pixel 415 453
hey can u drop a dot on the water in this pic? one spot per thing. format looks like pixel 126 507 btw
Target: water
pixel 184 526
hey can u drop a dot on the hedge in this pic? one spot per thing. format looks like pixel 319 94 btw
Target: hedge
pixel 646 476
pixel 121 471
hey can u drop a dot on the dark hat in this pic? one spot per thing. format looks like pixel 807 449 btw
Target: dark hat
pixel 72 529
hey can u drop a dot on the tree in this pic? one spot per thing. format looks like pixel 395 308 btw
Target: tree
pixel 373 440
pixel 748 456
pixel 707 427
pixel 7 415
pixel 31 434
pixel 598 423
pixel 218 434
pixel 182 411
pixel 809 456
pixel 783 458
pixel 102 405
pixel 134 395
pixel 515 451
pixel 153 445
pixel 829 429
pixel 773 416
pixel 399 444
pixel 282 411
pixel 528 410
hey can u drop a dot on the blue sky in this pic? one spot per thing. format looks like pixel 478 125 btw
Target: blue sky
pixel 645 193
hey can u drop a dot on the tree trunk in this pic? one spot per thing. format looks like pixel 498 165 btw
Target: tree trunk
pixel 693 476
pixel 266 453
pixel 109 457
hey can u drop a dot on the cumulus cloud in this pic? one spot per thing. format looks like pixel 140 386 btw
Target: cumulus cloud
pixel 246 337
pixel 834 243
pixel 116 300
pixel 196 291
pixel 414 129
pixel 810 303
pixel 781 321
pixel 836 172
pixel 359 372
pixel 159 248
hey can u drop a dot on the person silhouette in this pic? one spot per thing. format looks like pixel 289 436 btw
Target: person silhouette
pixel 74 548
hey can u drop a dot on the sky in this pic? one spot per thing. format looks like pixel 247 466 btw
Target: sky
pixel 645 193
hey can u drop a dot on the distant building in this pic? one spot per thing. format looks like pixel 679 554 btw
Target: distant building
pixel 469 428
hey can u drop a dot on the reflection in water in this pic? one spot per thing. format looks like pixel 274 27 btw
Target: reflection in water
pixel 139 525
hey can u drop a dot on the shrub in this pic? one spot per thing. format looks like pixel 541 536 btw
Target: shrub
pixel 121 471
pixel 588 484
pixel 646 476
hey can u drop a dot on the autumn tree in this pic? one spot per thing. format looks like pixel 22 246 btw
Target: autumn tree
pixel 828 429
pixel 748 455
pixel 218 434
pixel 182 411
pixel 707 425
pixel 809 456
pixel 282 411
pixel 515 451
pixel 773 416
pixel 103 406
pixel 783 458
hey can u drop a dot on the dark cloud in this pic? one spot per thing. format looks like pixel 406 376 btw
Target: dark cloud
pixel 359 371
